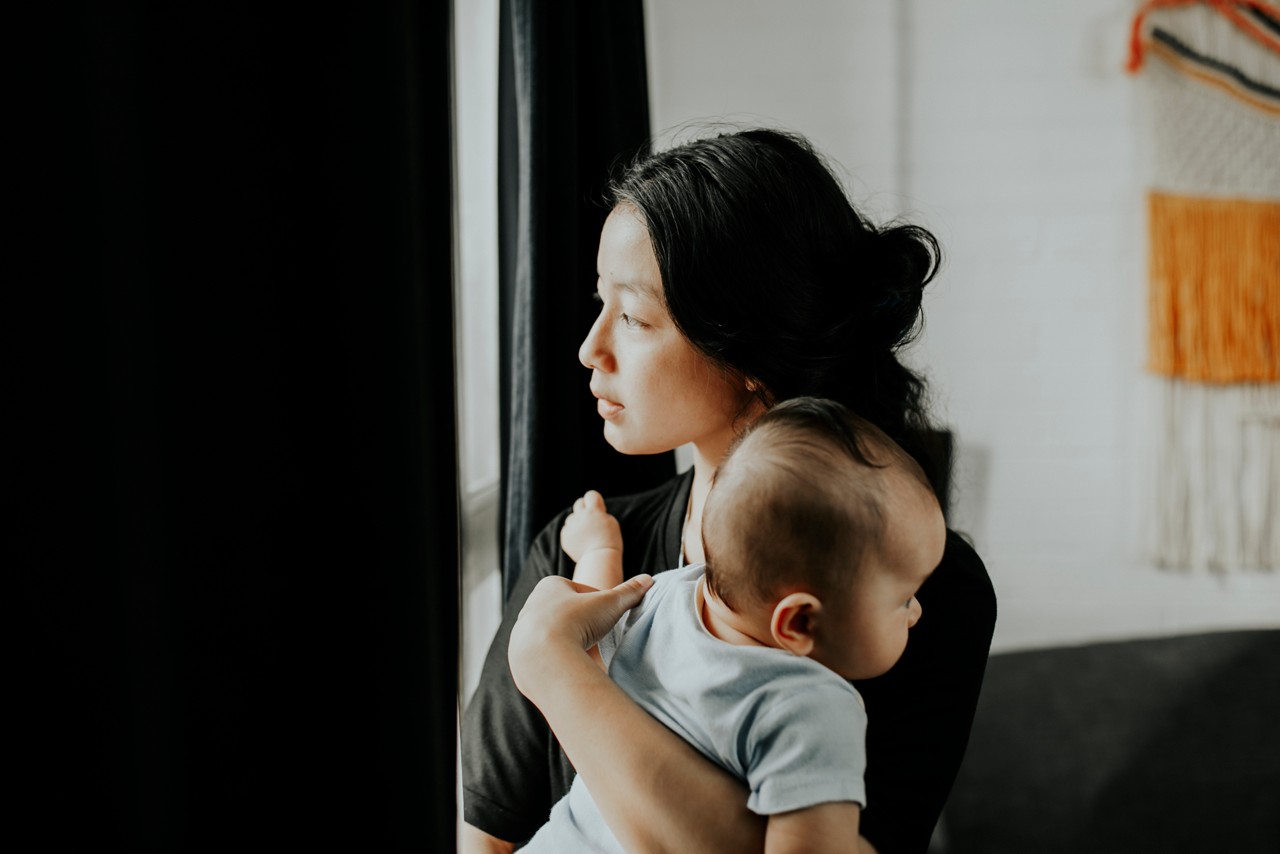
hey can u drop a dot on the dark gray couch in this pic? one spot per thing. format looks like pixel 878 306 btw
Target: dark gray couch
pixel 1156 745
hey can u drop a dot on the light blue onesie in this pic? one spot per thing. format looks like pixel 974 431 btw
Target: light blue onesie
pixel 788 726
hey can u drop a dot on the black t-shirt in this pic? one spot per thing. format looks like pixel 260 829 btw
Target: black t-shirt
pixel 919 713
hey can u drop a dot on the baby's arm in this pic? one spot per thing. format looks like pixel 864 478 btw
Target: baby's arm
pixel 593 539
pixel 819 828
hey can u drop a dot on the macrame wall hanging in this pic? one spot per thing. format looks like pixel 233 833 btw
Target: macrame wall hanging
pixel 1209 75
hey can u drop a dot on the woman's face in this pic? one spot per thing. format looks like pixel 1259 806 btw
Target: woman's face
pixel 655 391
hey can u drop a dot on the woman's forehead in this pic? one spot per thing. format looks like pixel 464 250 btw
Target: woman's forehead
pixel 626 261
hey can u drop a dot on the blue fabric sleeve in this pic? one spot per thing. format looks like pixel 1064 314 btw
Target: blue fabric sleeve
pixel 808 748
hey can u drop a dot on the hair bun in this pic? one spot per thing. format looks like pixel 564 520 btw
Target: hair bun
pixel 906 259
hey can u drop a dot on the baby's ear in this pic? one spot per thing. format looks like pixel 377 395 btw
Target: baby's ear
pixel 793 622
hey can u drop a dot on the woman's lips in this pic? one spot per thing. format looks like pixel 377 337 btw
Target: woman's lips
pixel 608 409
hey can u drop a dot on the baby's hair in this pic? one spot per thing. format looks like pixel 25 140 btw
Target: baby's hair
pixel 800 500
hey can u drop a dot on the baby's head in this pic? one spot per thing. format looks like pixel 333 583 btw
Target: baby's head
pixel 818 531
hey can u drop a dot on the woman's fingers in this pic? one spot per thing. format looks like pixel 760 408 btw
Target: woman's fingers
pixel 603 608
pixel 630 592
pixel 560 607
pixel 562 617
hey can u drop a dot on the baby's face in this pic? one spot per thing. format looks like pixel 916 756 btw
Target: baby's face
pixel 865 635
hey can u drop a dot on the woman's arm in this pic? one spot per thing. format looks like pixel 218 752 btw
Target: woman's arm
pixel 513 770
pixel 655 791
pixel 476 841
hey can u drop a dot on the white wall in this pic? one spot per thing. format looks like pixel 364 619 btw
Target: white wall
pixel 1009 129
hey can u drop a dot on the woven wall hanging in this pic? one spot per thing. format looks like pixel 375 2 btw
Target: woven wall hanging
pixel 1210 83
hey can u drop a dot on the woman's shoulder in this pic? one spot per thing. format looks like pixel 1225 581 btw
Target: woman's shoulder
pixel 962 584
pixel 961 558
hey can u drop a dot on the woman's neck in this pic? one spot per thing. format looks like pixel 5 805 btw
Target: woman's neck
pixel 708 453
pixel 704 471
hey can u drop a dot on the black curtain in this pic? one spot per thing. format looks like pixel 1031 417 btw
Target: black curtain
pixel 574 104
pixel 235 555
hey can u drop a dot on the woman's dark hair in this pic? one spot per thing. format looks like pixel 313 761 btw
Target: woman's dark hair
pixel 769 270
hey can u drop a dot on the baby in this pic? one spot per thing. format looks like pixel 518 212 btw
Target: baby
pixel 818 531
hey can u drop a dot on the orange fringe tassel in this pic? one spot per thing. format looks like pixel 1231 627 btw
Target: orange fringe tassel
pixel 1215 289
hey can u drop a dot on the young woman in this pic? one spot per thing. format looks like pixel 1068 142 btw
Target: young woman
pixel 733 274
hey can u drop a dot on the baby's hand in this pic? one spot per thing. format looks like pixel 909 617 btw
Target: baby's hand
pixel 589 527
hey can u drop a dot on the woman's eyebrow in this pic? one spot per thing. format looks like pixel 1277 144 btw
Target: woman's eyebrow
pixel 643 291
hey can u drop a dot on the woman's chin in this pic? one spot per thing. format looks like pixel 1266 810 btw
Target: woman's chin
pixel 624 443
pixel 617 442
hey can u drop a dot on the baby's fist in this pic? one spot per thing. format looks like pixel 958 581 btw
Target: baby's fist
pixel 589 527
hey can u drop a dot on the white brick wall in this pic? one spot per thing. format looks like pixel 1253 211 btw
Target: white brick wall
pixel 1008 128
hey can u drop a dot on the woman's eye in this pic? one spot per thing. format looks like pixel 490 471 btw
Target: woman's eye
pixel 631 322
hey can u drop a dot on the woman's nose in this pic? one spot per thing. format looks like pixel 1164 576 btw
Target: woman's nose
pixel 594 352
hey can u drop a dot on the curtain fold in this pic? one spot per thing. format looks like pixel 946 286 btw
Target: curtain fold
pixel 573 104
pixel 237 553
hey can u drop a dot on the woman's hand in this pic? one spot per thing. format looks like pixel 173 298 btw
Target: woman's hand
pixel 634 767
pixel 560 620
